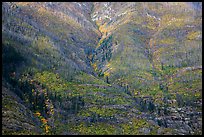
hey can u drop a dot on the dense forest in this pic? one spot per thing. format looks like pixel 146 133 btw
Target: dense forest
pixel 101 68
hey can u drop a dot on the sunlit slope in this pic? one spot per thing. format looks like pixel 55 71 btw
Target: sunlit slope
pixel 102 68
pixel 144 44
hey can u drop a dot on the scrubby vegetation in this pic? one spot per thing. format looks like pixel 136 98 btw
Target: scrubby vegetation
pixel 101 68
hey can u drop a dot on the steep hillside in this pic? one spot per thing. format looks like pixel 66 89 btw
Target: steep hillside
pixel 41 37
pixel 102 68
pixel 16 118
pixel 162 42
pixel 155 38
pixel 154 50
pixel 50 35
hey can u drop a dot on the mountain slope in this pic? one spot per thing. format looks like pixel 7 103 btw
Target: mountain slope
pixel 155 51
pixel 153 42
pixel 52 28
pixel 102 67
pixel 16 117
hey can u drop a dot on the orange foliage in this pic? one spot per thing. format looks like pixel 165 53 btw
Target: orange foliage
pixel 44 120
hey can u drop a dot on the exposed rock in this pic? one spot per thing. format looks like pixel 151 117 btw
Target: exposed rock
pixel 145 131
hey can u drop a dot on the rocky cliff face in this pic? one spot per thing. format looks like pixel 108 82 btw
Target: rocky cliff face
pixel 102 67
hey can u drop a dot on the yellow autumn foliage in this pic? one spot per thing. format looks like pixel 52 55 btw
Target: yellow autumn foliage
pixel 108 65
pixel 23 3
pixel 37 113
pixel 166 18
pixel 102 28
pixel 94 66
pixel 193 35
pixel 106 74
pixel 168 41
pixel 47 128
pixel 44 120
